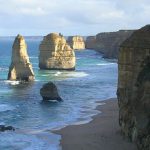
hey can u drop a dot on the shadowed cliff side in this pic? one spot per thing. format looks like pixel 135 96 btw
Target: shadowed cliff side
pixel 134 87
pixel 108 42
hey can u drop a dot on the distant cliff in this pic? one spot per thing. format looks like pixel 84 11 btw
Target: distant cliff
pixel 134 87
pixel 108 42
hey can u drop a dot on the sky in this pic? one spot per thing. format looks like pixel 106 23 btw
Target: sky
pixel 71 17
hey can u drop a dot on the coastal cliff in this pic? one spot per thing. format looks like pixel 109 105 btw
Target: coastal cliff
pixel 108 42
pixel 90 42
pixel 134 87
pixel 20 68
pixel 76 42
pixel 55 53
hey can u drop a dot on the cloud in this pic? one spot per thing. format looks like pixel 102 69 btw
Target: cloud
pixel 72 17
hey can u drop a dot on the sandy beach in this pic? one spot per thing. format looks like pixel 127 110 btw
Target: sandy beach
pixel 102 133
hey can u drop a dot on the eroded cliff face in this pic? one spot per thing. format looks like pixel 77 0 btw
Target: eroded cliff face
pixel 134 87
pixel 76 42
pixel 20 68
pixel 108 43
pixel 55 53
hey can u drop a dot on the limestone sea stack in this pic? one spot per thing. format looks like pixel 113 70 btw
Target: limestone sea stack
pixel 134 87
pixel 76 42
pixel 55 53
pixel 20 68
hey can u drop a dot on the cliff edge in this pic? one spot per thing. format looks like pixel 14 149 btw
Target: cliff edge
pixel 134 87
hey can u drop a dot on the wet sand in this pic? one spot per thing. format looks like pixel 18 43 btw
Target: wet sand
pixel 102 133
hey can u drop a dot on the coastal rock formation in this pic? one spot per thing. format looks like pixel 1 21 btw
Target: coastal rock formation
pixel 90 42
pixel 134 87
pixel 55 53
pixel 4 128
pixel 20 68
pixel 76 42
pixel 108 42
pixel 49 92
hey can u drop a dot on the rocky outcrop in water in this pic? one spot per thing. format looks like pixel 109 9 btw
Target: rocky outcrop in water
pixel 55 53
pixel 76 42
pixel 4 128
pixel 108 43
pixel 134 87
pixel 49 92
pixel 20 68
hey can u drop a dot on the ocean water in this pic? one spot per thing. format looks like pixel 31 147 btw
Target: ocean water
pixel 95 79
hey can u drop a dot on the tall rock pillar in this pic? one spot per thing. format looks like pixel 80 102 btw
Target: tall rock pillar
pixel 20 68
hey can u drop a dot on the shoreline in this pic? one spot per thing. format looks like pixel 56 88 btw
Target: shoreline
pixel 101 133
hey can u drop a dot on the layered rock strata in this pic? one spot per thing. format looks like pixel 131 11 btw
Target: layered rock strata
pixel 134 87
pixel 76 42
pixel 55 53
pixel 108 43
pixel 20 68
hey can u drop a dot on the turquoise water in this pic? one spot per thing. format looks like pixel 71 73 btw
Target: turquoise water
pixel 21 106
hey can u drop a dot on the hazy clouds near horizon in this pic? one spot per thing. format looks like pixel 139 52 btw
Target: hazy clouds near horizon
pixel 85 17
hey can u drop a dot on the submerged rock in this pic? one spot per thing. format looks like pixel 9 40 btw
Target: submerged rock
pixel 4 128
pixel 49 92
pixel 55 53
pixel 76 42
pixel 134 87
pixel 20 68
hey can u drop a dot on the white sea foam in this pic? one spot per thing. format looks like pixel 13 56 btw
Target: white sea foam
pixel 57 73
pixel 105 64
pixel 3 69
pixel 83 121
pixel 45 75
pixel 12 82
pixel 20 141
pixel 37 80
pixel 77 74
pixel 27 141
pixel 5 107
pixel 33 57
